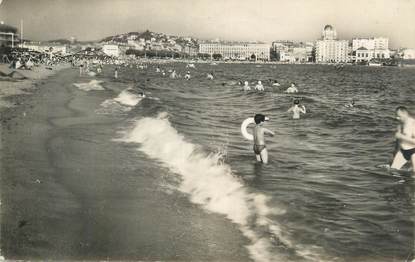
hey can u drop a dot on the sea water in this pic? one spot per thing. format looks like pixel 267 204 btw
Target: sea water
pixel 325 194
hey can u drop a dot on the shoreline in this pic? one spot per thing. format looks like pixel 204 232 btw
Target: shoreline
pixel 217 62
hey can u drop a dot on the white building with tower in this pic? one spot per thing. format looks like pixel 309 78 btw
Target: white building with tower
pixel 329 49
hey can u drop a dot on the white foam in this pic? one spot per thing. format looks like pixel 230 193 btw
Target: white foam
pixel 210 183
pixel 128 98
pixel 109 107
pixel 92 85
pixel 91 73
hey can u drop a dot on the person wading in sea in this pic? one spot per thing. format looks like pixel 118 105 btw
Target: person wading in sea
pixel 406 138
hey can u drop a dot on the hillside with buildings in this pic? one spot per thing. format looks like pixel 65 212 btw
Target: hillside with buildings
pixel 148 40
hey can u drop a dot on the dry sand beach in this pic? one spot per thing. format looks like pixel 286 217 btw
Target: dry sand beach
pixel 11 87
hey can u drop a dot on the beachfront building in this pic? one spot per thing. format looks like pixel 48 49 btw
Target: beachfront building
pixel 290 51
pixel 373 43
pixel 363 55
pixel 300 54
pixel 329 49
pixel 408 54
pixel 111 50
pixel 295 55
pixel 374 48
pixel 282 46
pixel 190 50
pixel 285 56
pixel 136 45
pixel 8 35
pixel 236 51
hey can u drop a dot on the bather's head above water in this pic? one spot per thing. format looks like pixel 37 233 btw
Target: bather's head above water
pixel 260 118
pixel 402 113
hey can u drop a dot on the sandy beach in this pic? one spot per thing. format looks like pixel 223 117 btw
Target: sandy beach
pixel 10 87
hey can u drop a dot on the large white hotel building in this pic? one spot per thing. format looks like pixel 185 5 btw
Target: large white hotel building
pixel 368 48
pixel 378 43
pixel 329 49
pixel 237 51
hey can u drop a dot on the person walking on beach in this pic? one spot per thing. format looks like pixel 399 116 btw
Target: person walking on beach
pixel 297 109
pixel 116 72
pixel 406 138
pixel 81 69
pixel 260 149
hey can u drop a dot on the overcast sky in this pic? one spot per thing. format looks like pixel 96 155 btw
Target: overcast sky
pixel 246 20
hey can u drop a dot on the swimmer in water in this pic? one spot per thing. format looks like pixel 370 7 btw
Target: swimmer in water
pixel 173 74
pixel 351 104
pixel 187 76
pixel 259 87
pixel 292 89
pixel 260 149
pixel 246 86
pixel 99 69
pixel 297 109
pixel 209 76
pixel 275 83
pixel 406 139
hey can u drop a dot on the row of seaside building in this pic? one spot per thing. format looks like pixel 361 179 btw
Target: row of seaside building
pixel 328 49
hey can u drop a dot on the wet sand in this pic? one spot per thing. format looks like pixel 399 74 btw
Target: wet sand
pixel 68 191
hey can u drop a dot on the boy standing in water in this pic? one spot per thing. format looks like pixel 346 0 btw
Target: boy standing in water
pixel 297 109
pixel 259 140
pixel 406 139
pixel 246 86
pixel 292 89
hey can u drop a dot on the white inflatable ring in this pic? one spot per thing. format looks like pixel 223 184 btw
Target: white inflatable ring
pixel 244 125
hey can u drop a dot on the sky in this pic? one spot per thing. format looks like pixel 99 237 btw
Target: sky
pixel 239 20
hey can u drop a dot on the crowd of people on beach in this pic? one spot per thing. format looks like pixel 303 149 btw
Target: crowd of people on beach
pixel 29 60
